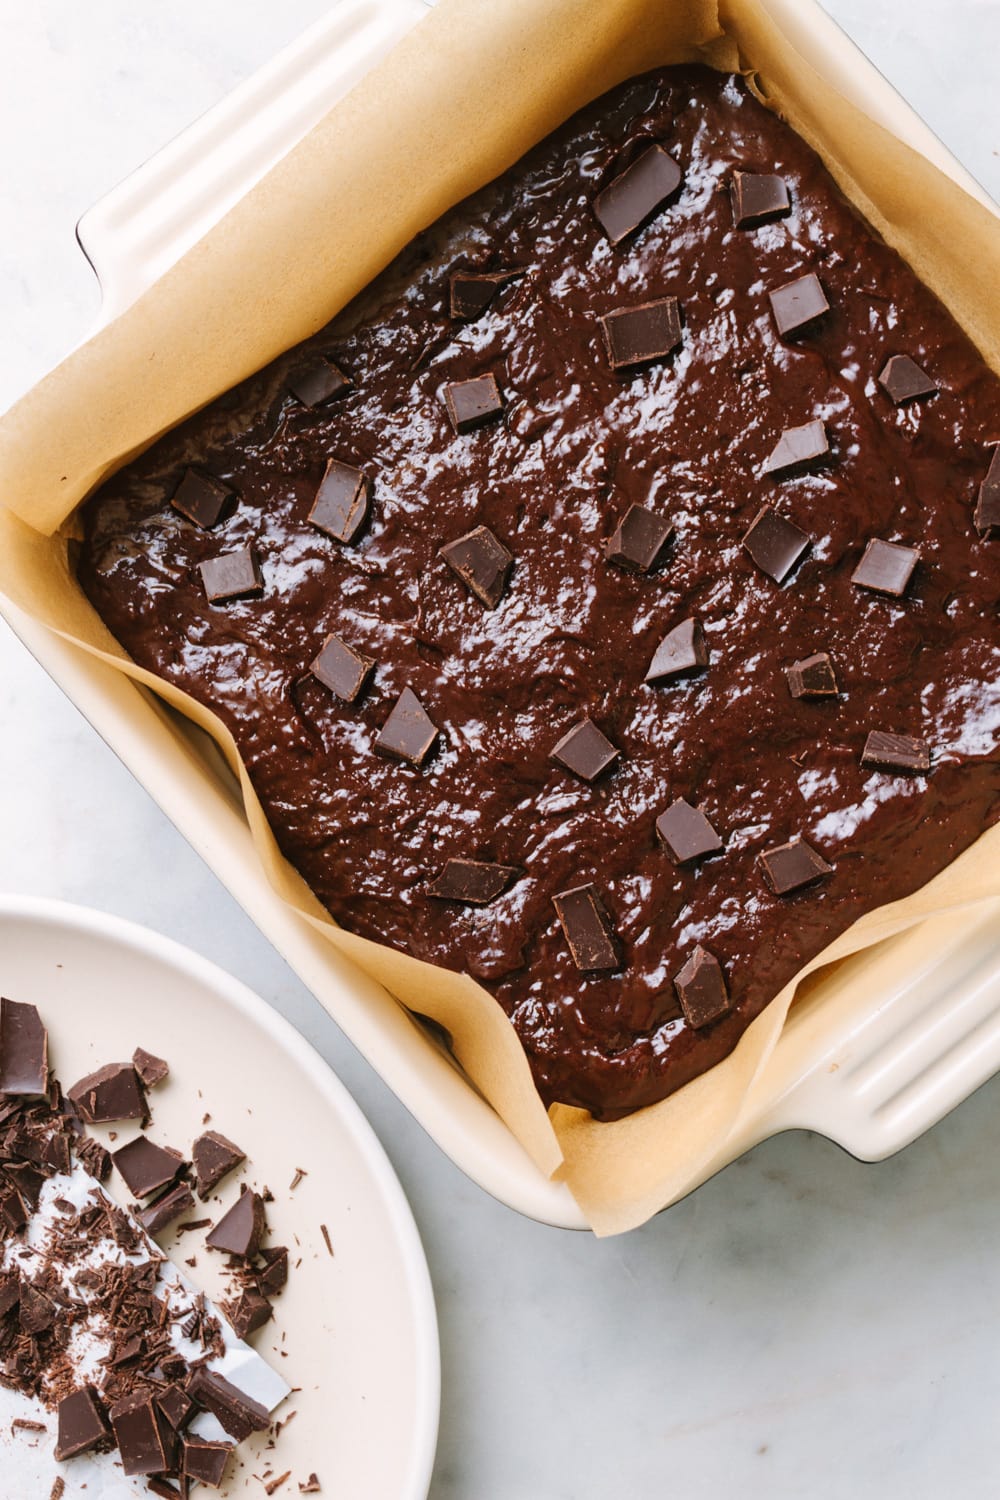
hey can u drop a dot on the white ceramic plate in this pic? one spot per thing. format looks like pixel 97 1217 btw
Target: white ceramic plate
pixel 356 1331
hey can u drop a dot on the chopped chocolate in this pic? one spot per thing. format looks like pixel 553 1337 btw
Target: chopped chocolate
pixel 239 1232
pixel 202 499
pixel 757 198
pixel 812 677
pixel 896 752
pixel 482 562
pixel 903 380
pixel 94 1158
pixel 10 1294
pixel 686 833
pixel 701 989
pixel 638 335
pixel 638 540
pixel 142 1435
pixel 585 751
pixel 272 1486
pixel 886 568
pixel 342 669
pixel 682 652
pixel 247 1313
pixel 471 292
pixel 310 1487
pixel 988 502
pixel 146 1167
pixel 637 194
pixel 798 304
pixel 797 447
pixel 775 545
pixel 151 1070
pixel 238 1413
pixel 58 1488
pixel 790 867
pixel 37 1311
pixel 157 1215
pixel 175 1404
pixel 588 929
pixel 318 382
pixel 273 1275
pixel 408 733
pixel 342 502
pixel 81 1423
pixel 233 575
pixel 205 1461
pixel 24 1050
pixel 127 1350
pixel 213 1157
pixel 471 882
pixel 473 403
pixel 326 1239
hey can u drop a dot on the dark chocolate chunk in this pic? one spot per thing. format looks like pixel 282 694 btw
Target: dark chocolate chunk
pixel 637 335
pixel 775 545
pixel 812 677
pixel 471 882
pixel 588 928
pixel 247 1313
pixel 318 383
pixel 37 1311
pixel 798 304
pixel 886 567
pixel 142 1435
pixel 636 194
pixel 127 1350
pixel 342 669
pixel 896 752
pixel 151 1070
pixel 239 1232
pixel 166 1209
pixel 482 562
pixel 638 540
pixel 757 198
pixel 988 503
pixel 585 751
pixel 903 380
pixel 701 989
pixel 310 1486
pixel 175 1404
pixel 10 1294
pixel 112 1093
pixel 686 833
pixel 789 867
pixel 213 1157
pixel 93 1157
pixel 342 502
pixel 472 403
pixel 471 292
pixel 24 1050
pixel 797 447
pixel 81 1423
pixel 238 1413
pixel 145 1166
pixel 273 1275
pixel 408 733
pixel 202 499
pixel 205 1461
pixel 234 575
pixel 681 653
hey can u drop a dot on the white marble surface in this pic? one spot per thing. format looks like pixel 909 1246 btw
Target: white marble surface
pixel 803 1326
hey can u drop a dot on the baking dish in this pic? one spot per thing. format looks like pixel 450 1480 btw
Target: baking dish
pixel 899 1039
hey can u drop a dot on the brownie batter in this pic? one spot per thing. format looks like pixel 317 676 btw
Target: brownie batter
pixel 767 456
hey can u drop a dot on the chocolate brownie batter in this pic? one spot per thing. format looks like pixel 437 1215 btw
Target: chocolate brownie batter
pixel 629 768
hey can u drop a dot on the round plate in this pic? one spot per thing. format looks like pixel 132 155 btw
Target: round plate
pixel 355 1331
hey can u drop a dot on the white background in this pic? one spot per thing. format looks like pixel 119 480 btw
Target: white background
pixel 803 1326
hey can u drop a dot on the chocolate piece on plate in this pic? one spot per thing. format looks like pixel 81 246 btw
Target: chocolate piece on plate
pixel 896 752
pixel 471 292
pixel 797 447
pixel 638 540
pixel 471 882
pixel 273 1275
pixel 247 1313
pixel 342 669
pixel 789 867
pixel 636 194
pixel 317 383
pixel 24 1050
pixel 93 1157
pixel 638 335
pixel 988 502
pixel 151 1070
pixel 165 1210
pixel 585 750
pixel 205 1461
pixel 112 1093
pixel 233 575
pixel 202 499
pixel 472 403
pixel 238 1413
pixel 175 1404
pixel 240 1231
pixel 812 677
pixel 701 989
pixel 408 733
pixel 686 833
pixel 81 1424
pixel 213 1157
pixel 798 304
pixel 340 509
pixel 147 1167
pixel 143 1435
pixel 903 380
pixel 757 198
pixel 886 568
pixel 482 562
pixel 682 653
pixel 588 929
pixel 775 545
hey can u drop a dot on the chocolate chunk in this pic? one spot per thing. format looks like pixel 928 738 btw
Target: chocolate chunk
pixel 471 882
pixel 342 502
pixel 701 989
pixel 81 1423
pixel 214 1157
pixel 318 383
pixel 24 1050
pixel 273 1275
pixel 342 669
pixel 93 1157
pixel 482 562
pixel 585 751
pixel 988 503
pixel 238 1413
pixel 10 1294
pixel 637 335
pixel 636 194
pixel 789 867
pixel 239 1232
pixel 896 752
pixel 686 833
pixel 886 568
pixel 234 575
pixel 247 1313
pixel 798 447
pixel 588 928
pixel 408 733
pixel 638 540
pixel 142 1435
pixel 310 1486
pixel 202 499
pixel 176 1201
pixel 37 1311
pixel 471 292
pixel 903 380
pixel 757 198
pixel 151 1070
pixel 775 545
pixel 145 1166
pixel 472 403
pixel 205 1461
pixel 798 304
pixel 127 1350
pixel 175 1404
pixel 681 653
pixel 812 677
pixel 112 1093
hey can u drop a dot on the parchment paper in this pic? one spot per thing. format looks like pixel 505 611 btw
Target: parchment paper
pixel 458 101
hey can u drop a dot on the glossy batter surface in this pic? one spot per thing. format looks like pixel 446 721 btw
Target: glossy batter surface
pixel 577 444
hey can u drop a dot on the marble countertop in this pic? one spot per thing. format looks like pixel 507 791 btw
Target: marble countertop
pixel 804 1325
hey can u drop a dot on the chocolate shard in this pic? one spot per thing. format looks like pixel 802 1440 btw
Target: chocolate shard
pixel 471 292
pixel 637 194
pixel 81 1424
pixel 812 677
pixel 482 562
pixel 775 545
pixel 792 866
pixel 175 1404
pixel 310 1486
pixel 638 540
pixel 37 1311
pixel 886 568
pixel 471 882
pixel 682 653
pixel 686 833
pixel 247 1313
pixel 213 1157
pixel 318 383
pixel 343 499
pixel 798 304
pixel 234 575
pixel 147 1167
pixel 343 670
pixel 93 1157
pixel 408 733
pixel 202 499
pixel 585 750
pixel 757 198
pixel 205 1461
pixel 238 1413
pixel 701 989
pixel 896 752
pixel 156 1216
pixel 240 1231
pixel 473 403
pixel 142 1434
pixel 798 447
pixel 988 502
pixel 273 1275
pixel 904 381
pixel 588 929
pixel 24 1050
pixel 112 1093
pixel 10 1294
pixel 151 1070
pixel 638 335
